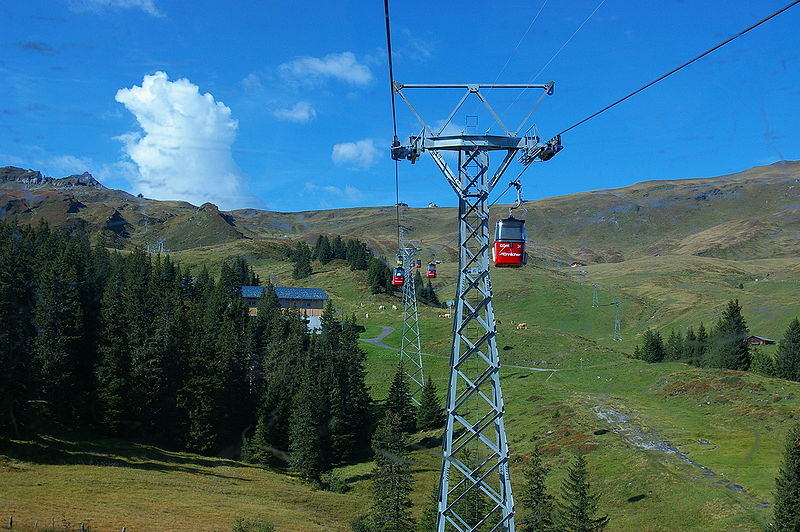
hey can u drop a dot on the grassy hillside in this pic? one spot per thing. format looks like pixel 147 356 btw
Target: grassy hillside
pixel 670 447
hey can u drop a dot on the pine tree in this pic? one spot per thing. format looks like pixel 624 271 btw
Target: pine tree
pixel 338 249
pixel 430 414
pixel 399 401
pixel 113 370
pixel 728 342
pixel 786 517
pixel 302 261
pixel 674 348
pixel 433 299
pixel 324 253
pixel 59 321
pixel 653 347
pixel 689 346
pixel 578 504
pixel 306 439
pixel 787 359
pixel 431 512
pixel 16 328
pixel 392 480
pixel 699 355
pixel 539 505
pixel 376 276
pixel 762 363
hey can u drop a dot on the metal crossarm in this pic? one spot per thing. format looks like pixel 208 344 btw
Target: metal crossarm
pixel 475 488
pixel 410 345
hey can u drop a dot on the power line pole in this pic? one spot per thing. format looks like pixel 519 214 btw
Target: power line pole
pixel 475 487
pixel 410 348
pixel 617 328
pixel 595 302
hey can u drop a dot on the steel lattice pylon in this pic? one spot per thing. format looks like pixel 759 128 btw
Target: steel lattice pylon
pixel 475 488
pixel 617 323
pixel 595 302
pixel 410 348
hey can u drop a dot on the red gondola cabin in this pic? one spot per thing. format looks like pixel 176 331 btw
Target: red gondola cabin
pixel 418 264
pixel 398 276
pixel 509 243
pixel 431 270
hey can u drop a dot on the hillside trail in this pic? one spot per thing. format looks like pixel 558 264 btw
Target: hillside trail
pixel 649 439
pixel 386 331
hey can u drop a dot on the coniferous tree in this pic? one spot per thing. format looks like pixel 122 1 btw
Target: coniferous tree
pixel 653 348
pixel 430 414
pixel 307 437
pixel 431 512
pixel 59 320
pixel 539 505
pixel 399 401
pixel 699 354
pixel 338 249
pixel 578 504
pixel 728 342
pixel 786 516
pixel 325 253
pixel 787 359
pixel 16 328
pixel 674 348
pixel 430 295
pixel 392 480
pixel 302 261
pixel 113 370
pixel 689 346
pixel 762 362
pixel 377 276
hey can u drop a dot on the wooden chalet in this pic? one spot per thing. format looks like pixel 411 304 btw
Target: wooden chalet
pixel 759 340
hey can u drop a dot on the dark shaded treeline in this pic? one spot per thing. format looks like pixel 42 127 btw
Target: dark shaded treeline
pixel 136 346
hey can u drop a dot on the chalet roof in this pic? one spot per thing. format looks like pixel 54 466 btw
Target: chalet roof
pixel 761 338
pixel 286 292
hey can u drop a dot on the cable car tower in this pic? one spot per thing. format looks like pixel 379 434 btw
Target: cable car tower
pixel 410 349
pixel 475 488
pixel 617 322
pixel 595 302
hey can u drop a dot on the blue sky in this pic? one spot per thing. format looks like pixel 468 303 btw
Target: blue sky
pixel 285 105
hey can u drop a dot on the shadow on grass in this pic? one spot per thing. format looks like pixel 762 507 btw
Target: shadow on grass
pixel 44 449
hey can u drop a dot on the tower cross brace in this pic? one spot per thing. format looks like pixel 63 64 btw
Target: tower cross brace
pixel 475 487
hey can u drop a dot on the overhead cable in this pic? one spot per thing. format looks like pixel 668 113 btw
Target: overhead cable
pixel 687 63
pixel 394 119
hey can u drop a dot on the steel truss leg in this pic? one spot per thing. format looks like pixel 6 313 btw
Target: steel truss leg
pixel 475 488
pixel 410 348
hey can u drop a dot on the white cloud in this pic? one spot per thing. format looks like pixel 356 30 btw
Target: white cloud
pixel 184 149
pixel 300 112
pixel 148 6
pixel 348 193
pixel 343 67
pixel 359 154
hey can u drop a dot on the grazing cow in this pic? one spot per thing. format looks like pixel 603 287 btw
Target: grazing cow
pixel 522 325
pixel 366 315
pixel 382 307
pixel 394 307
pixel 446 315
pixel 498 322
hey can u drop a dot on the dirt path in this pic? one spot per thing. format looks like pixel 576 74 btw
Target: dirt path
pixel 378 340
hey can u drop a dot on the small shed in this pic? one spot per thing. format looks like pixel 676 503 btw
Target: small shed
pixel 576 264
pixel 759 340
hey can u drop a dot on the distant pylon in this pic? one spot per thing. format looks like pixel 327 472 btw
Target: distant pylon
pixel 617 328
pixel 595 302
pixel 410 348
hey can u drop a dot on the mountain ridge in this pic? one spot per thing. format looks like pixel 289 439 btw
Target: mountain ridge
pixel 750 214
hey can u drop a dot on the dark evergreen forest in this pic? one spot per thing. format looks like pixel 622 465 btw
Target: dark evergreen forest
pixel 133 345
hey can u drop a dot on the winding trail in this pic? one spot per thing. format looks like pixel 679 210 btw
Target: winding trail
pixel 386 331
pixel 378 340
